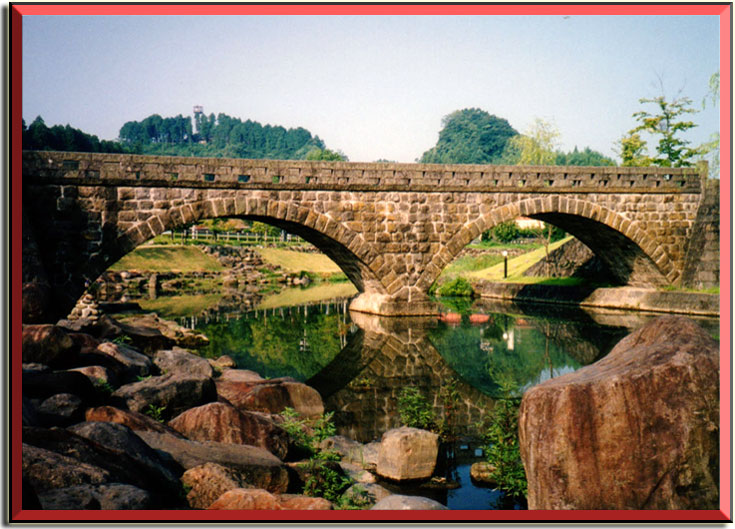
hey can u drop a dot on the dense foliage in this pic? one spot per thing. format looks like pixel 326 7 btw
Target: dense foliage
pixel 470 136
pixel 220 136
pixel 39 137
pixel 458 287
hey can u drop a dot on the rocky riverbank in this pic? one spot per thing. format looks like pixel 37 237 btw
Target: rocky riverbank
pixel 127 416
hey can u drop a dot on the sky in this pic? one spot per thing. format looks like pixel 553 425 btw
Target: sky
pixel 374 87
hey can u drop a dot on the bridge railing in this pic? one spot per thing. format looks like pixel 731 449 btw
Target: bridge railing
pixel 137 170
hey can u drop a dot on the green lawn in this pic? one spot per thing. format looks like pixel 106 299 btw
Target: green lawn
pixel 180 306
pixel 168 259
pixel 293 261
pixel 296 296
pixel 516 266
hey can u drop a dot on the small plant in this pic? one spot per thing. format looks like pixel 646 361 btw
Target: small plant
pixel 324 481
pixel 141 378
pixel 123 339
pixel 155 412
pixel 323 427
pixel 104 386
pixel 414 410
pixel 358 499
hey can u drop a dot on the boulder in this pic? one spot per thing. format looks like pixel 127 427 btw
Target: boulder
pixel 398 502
pixel 636 430
pixel 350 451
pixel 222 363
pixel 225 424
pixel 132 419
pixel 44 384
pixel 407 453
pixel 246 499
pixel 209 481
pixel 107 496
pixel 97 375
pixel 135 364
pixel 171 394
pixel 241 375
pixel 45 343
pixel 45 470
pixel 298 502
pixel 34 367
pixel 152 333
pixel 370 453
pixel 261 468
pixel 480 472
pixel 270 396
pixel 367 494
pixel 61 409
pixel 179 360
pixel 356 473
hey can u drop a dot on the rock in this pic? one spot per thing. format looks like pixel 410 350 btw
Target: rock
pixel 298 502
pixel 357 473
pixel 302 470
pixel 133 420
pixel 124 442
pixel 179 360
pixel 172 394
pixel 398 502
pixel 370 453
pixel 407 453
pixel 480 472
pixel 222 363
pixel 367 494
pixel 270 396
pixel 45 343
pixel 108 496
pixel 34 367
pixel 261 468
pixel 103 327
pixel 45 469
pixel 43 385
pixel 118 465
pixel 209 481
pixel 97 375
pixel 350 451
pixel 636 430
pixel 35 301
pixel 84 341
pixel 246 499
pixel 225 424
pixel 134 363
pixel 152 333
pixel 61 409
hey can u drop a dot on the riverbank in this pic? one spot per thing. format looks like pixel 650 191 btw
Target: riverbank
pixel 627 298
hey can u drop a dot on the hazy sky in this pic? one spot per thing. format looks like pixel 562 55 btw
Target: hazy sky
pixel 371 86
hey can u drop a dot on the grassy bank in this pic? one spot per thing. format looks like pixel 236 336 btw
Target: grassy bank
pixel 294 261
pixel 182 259
pixel 295 296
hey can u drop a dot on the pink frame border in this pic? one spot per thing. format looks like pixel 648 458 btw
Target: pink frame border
pixel 17 11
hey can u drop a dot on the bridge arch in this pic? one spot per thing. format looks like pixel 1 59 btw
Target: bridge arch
pixel 630 253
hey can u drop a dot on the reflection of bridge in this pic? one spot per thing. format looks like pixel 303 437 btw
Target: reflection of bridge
pixel 392 228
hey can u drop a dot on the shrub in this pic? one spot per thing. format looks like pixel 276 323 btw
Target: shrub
pixel 505 231
pixel 414 410
pixel 458 287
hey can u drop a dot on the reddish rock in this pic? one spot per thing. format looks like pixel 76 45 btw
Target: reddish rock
pixel 225 424
pixel 210 481
pixel 45 343
pixel 246 499
pixel 133 420
pixel 96 374
pixel 303 503
pixel 636 430
pixel 270 396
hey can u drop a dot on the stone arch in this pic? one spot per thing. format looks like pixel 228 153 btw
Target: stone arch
pixel 345 247
pixel 644 262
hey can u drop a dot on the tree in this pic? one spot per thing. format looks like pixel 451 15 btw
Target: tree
pixel 537 146
pixel 326 155
pixel 470 136
pixel 665 123
pixel 710 150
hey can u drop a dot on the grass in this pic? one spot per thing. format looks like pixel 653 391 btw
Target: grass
pixel 469 263
pixel 516 266
pixel 168 259
pixel 180 306
pixel 293 261
pixel 296 296
pixel 674 288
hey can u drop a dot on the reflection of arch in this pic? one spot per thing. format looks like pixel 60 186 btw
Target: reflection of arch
pixel 345 247
pixel 628 251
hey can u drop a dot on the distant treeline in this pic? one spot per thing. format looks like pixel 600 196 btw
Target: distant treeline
pixel 39 137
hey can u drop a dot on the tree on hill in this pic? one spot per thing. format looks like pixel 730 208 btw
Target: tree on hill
pixel 326 155
pixel 39 137
pixel 470 136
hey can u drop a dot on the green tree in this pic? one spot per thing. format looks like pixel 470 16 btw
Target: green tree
pixel 665 123
pixel 538 145
pixel 326 155
pixel 710 150
pixel 470 136
pixel 633 151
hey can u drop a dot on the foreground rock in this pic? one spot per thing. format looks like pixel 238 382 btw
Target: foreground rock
pixel 45 343
pixel 256 499
pixel 398 502
pixel 105 496
pixel 261 468
pixel 407 453
pixel 636 430
pixel 209 481
pixel 169 394
pixel 132 419
pixel 223 423
pixel 481 472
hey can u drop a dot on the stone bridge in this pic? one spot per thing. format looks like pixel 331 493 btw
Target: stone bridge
pixel 391 227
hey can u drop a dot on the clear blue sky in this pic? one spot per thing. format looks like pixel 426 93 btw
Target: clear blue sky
pixel 373 87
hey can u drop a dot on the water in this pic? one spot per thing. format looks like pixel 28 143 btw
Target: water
pixel 360 363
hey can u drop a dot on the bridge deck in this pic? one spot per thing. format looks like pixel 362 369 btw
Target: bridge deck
pixel 229 173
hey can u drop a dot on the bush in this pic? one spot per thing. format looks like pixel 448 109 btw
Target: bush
pixel 458 287
pixel 505 231
pixel 414 410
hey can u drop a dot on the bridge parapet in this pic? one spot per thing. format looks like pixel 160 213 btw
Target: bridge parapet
pixel 229 173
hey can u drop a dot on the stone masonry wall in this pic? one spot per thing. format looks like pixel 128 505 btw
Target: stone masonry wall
pixel 391 239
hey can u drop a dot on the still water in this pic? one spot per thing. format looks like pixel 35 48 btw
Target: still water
pixel 360 364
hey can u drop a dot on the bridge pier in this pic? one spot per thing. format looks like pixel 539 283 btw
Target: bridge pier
pixel 385 305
